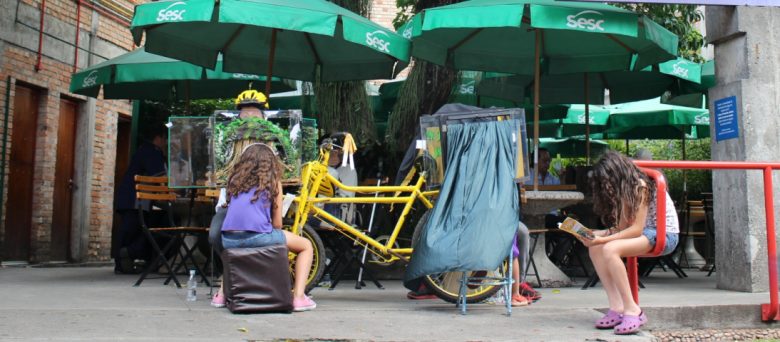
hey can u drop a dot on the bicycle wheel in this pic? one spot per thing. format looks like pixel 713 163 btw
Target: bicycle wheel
pixel 447 285
pixel 318 259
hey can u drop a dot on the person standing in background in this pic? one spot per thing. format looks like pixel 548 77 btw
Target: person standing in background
pixel 148 160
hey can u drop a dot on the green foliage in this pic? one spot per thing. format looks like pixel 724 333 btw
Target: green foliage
pixel 228 135
pixel 676 18
pixel 309 148
pixel 698 181
pixel 407 8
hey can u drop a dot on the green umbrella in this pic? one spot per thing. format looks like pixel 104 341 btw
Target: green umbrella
pixel 522 36
pixel 651 119
pixel 290 39
pixel 575 123
pixel 465 92
pixel 623 86
pixel 142 75
pixel 572 147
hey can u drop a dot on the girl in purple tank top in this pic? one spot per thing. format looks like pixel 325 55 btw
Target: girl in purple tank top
pixel 254 216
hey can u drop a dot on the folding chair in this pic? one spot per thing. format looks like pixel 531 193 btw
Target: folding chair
pixel 504 280
pixel 154 192
pixel 531 264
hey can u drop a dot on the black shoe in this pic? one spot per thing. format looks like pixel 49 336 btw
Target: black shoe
pixel 124 264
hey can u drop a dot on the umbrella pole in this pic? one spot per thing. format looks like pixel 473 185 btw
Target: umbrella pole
pixel 627 147
pixel 685 176
pixel 587 122
pixel 271 55
pixel 537 77
pixel 187 99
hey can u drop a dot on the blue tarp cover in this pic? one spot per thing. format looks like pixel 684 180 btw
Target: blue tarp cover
pixel 475 216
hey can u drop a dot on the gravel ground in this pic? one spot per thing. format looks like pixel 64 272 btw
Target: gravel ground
pixel 716 335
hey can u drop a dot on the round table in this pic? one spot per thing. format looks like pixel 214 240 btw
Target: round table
pixel 539 204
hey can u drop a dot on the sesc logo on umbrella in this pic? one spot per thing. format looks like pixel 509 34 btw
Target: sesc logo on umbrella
pixel 172 13
pixel 90 80
pixel 374 40
pixel 677 70
pixel 584 22
pixel 408 32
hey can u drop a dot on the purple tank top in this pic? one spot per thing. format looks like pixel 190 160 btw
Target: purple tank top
pixel 245 216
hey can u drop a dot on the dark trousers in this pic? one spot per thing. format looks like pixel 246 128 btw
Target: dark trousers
pixel 558 245
pixel 132 237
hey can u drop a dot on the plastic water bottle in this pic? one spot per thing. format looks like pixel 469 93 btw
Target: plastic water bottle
pixel 192 287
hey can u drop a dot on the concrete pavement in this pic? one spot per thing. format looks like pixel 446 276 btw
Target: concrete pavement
pixel 91 303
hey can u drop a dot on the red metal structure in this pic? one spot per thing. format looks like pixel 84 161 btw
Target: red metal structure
pixel 769 312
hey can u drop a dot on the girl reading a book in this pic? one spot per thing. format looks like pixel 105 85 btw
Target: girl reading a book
pixel 624 198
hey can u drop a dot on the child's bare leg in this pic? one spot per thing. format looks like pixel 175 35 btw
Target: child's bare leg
pixel 599 263
pixel 303 248
pixel 613 253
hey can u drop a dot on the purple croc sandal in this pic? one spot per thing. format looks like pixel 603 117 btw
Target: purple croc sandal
pixel 631 324
pixel 610 320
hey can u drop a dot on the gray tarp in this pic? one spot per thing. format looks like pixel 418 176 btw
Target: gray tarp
pixel 475 216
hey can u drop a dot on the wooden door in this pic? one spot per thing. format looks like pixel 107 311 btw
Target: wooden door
pixel 63 182
pixel 18 208
pixel 124 128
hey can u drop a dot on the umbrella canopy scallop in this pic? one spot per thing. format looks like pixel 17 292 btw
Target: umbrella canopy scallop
pixel 676 76
pixel 297 39
pixel 140 75
pixel 651 119
pixel 500 35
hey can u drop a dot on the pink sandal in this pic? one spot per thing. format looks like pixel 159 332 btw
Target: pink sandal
pixel 631 324
pixel 610 320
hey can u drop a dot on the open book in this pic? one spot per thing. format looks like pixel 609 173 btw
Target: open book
pixel 576 228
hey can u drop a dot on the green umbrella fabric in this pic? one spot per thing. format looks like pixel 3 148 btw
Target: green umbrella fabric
pixel 651 119
pixel 305 36
pixel 465 93
pixel 574 124
pixel 141 75
pixel 623 86
pixel 499 35
pixel 572 147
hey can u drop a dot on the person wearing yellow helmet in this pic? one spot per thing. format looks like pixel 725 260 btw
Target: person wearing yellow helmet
pixel 251 103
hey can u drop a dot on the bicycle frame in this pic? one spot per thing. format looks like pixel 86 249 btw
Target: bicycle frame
pixel 315 175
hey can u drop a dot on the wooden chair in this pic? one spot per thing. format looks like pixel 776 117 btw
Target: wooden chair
pixel 153 193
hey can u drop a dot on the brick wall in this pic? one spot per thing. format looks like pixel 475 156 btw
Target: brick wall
pixel 17 61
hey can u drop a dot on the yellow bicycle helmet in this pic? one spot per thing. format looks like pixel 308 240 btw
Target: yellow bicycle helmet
pixel 251 97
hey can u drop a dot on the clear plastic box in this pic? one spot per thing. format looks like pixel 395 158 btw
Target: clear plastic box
pixel 189 151
pixel 433 130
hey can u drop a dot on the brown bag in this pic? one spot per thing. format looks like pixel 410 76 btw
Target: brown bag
pixel 257 279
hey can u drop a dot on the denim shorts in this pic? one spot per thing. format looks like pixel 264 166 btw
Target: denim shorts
pixel 671 240
pixel 247 239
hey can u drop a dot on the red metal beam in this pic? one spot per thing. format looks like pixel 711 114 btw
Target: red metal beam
pixel 78 27
pixel 40 37
pixel 770 311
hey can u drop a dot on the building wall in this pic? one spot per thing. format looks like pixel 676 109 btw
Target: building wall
pixel 96 145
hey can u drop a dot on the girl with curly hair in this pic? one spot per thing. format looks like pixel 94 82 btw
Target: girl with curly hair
pixel 624 198
pixel 254 216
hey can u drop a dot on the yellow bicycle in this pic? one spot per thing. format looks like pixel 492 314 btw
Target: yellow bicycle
pixel 317 188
